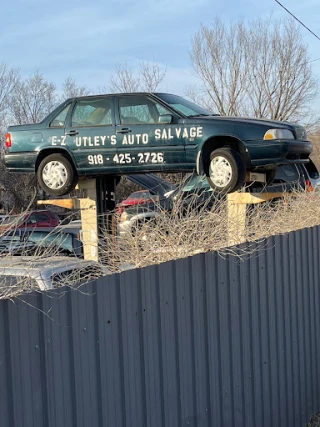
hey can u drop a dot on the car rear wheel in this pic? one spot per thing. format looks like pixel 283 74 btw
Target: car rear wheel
pixel 227 171
pixel 56 175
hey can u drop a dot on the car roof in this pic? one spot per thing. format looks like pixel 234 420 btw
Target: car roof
pixel 43 270
pixel 119 94
pixel 140 191
pixel 52 263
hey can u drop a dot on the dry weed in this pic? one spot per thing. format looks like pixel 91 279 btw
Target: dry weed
pixel 184 231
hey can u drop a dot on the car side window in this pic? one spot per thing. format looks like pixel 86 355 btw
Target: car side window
pixel 38 217
pixel 59 120
pixel 93 112
pixel 139 110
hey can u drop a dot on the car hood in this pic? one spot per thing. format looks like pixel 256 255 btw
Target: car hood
pixel 252 121
pixel 153 183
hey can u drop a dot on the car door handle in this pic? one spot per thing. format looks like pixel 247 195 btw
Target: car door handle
pixel 72 133
pixel 124 130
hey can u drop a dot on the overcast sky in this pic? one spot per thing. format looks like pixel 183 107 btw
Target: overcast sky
pixel 85 39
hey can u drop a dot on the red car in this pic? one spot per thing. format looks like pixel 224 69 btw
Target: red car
pixel 41 218
pixel 136 198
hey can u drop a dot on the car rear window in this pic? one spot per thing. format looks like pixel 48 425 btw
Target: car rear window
pixel 52 240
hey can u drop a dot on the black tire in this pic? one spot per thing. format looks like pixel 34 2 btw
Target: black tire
pixel 64 183
pixel 235 171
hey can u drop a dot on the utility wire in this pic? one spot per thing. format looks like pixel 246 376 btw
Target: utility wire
pixel 313 60
pixel 300 23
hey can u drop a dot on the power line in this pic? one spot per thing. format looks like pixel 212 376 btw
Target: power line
pixel 299 22
pixel 313 60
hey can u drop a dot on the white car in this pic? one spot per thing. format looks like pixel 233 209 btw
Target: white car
pixel 25 274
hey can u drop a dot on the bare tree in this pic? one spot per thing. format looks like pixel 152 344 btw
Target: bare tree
pixel 8 80
pixel 152 75
pixel 72 90
pixel 262 70
pixel 148 78
pixel 32 100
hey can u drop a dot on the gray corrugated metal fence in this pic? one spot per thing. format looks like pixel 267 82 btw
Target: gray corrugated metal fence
pixel 205 341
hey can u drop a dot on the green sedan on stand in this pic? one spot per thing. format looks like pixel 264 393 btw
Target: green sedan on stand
pixel 150 132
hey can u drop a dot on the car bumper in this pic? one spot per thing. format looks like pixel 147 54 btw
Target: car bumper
pixel 20 162
pixel 299 150
pixel 276 153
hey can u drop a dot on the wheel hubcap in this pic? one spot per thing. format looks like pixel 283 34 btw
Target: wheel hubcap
pixel 54 175
pixel 220 171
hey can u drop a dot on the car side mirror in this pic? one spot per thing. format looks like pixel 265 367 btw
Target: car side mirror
pixel 166 118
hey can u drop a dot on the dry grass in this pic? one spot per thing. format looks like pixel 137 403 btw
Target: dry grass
pixel 174 235
pixel 186 231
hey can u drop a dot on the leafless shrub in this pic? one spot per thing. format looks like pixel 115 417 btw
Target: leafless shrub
pixel 191 226
pixel 185 231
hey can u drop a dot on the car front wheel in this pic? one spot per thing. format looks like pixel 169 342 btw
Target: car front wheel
pixel 56 175
pixel 227 171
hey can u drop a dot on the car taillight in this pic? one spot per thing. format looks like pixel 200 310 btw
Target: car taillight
pixel 309 187
pixel 8 140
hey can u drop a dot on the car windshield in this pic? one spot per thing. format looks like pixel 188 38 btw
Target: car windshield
pixel 187 108
pixel 197 182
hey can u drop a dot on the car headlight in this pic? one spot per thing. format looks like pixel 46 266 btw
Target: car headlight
pixel 279 134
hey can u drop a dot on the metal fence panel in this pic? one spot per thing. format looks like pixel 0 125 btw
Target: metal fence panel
pixel 203 341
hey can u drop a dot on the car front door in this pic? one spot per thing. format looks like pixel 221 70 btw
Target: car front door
pixel 91 134
pixel 147 138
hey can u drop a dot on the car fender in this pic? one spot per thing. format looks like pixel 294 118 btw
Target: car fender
pixel 219 141
pixel 51 150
